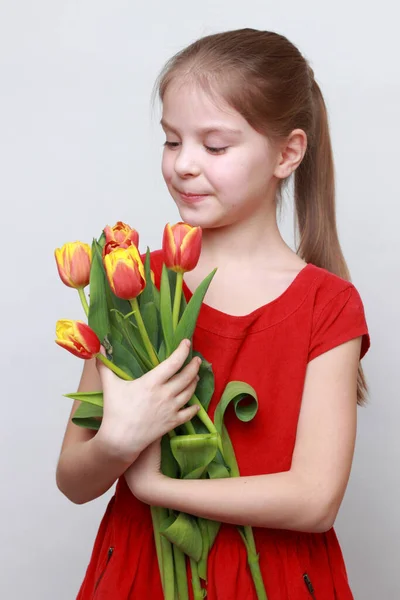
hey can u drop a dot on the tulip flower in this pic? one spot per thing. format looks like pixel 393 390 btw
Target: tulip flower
pixel 73 264
pixel 78 338
pixel 181 247
pixel 125 272
pixel 122 235
pixel 126 275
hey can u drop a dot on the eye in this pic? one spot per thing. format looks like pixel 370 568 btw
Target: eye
pixel 217 150
pixel 171 144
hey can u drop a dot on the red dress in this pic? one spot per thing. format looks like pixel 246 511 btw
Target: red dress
pixel 269 349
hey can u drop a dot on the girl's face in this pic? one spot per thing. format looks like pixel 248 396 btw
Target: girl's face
pixel 217 168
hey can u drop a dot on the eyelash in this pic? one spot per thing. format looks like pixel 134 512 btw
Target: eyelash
pixel 212 150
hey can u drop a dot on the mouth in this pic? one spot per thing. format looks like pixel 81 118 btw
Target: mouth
pixel 190 198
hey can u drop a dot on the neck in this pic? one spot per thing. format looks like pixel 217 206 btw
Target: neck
pixel 257 240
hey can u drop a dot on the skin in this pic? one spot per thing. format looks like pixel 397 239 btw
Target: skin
pixel 240 231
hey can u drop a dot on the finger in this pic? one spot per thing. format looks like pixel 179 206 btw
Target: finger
pixel 168 367
pixel 186 414
pixel 181 380
pixel 184 397
pixel 104 372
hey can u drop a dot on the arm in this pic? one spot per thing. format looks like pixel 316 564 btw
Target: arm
pixel 135 413
pixel 308 496
pixel 86 468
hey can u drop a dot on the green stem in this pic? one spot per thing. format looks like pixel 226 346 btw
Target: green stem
pixel 168 568
pixel 84 301
pixel 189 428
pixel 205 419
pixel 180 573
pixel 196 584
pixel 113 367
pixel 143 332
pixel 252 559
pixel 177 300
pixel 156 518
pixel 247 533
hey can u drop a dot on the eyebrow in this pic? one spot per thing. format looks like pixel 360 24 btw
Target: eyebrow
pixel 204 130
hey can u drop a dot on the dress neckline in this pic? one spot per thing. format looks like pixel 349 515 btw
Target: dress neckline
pixel 264 316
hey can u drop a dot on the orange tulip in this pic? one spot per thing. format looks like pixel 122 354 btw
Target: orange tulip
pixel 73 263
pixel 125 272
pixel 121 234
pixel 181 246
pixel 78 338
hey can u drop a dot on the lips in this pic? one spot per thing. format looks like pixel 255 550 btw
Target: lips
pixel 190 194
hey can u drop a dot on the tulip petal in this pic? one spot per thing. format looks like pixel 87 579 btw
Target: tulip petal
pixel 125 272
pixel 73 263
pixel 191 248
pixel 77 337
pixel 181 246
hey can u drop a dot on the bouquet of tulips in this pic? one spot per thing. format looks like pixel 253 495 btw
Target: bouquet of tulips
pixel 139 326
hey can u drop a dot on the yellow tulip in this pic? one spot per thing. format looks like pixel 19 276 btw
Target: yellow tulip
pixel 78 338
pixel 73 263
pixel 125 272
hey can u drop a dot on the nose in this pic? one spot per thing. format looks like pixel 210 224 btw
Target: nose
pixel 186 164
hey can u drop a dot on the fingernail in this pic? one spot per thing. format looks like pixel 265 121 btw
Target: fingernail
pixel 187 343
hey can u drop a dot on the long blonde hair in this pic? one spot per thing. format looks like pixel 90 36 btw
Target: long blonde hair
pixel 265 78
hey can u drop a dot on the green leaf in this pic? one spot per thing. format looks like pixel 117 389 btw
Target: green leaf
pixel 206 385
pixel 98 318
pixel 95 398
pixel 162 352
pixel 147 293
pixel 88 415
pixel 150 319
pixel 187 323
pixel 193 453
pixel 133 342
pixel 169 466
pixel 217 470
pixel 237 391
pixel 166 310
pixel 126 360
pixel 102 239
pixel 183 531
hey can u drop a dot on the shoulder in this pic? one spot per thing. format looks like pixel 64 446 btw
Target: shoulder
pixel 338 312
pixel 330 289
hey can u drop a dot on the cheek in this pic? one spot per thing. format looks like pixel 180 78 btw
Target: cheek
pixel 166 167
pixel 229 176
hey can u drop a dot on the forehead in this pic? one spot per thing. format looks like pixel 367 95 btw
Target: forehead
pixel 189 105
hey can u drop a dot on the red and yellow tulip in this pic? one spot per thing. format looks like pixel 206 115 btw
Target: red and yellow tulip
pixel 78 338
pixel 125 272
pixel 121 234
pixel 181 247
pixel 73 263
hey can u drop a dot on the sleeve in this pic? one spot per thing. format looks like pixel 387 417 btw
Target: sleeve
pixel 341 319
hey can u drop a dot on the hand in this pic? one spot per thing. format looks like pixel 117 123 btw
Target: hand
pixel 144 476
pixel 136 413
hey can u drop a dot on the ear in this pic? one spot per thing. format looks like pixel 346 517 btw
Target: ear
pixel 291 154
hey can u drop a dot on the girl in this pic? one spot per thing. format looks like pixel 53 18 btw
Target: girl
pixel 242 112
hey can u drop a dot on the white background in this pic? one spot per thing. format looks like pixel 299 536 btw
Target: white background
pixel 79 149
